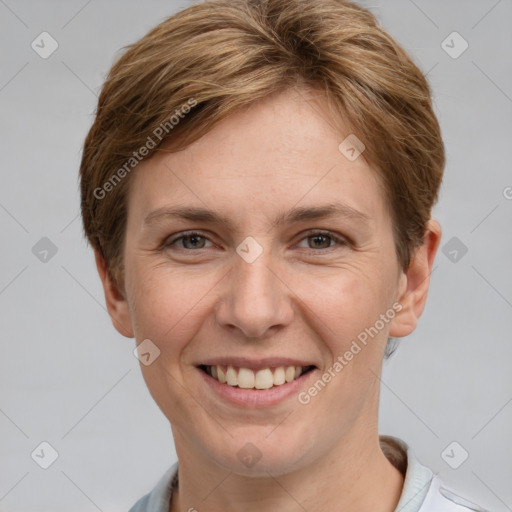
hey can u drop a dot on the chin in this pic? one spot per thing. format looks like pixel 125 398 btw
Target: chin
pixel 262 451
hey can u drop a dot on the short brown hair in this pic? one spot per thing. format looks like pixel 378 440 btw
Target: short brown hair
pixel 219 56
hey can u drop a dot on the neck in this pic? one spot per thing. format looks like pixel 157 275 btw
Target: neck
pixel 352 477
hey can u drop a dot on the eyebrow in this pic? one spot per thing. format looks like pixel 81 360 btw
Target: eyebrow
pixel 295 215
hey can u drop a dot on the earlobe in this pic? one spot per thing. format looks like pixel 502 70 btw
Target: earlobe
pixel 414 283
pixel 115 300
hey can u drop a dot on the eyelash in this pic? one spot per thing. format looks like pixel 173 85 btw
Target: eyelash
pixel 339 240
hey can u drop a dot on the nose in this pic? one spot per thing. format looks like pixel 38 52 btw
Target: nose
pixel 255 300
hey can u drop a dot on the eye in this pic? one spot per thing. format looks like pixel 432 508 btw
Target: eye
pixel 194 240
pixel 321 238
pixel 190 240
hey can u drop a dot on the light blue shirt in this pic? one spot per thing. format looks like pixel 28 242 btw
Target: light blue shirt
pixel 422 492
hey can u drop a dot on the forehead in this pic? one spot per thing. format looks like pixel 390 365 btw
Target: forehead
pixel 279 153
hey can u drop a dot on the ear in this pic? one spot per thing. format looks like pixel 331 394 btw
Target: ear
pixel 116 302
pixel 414 283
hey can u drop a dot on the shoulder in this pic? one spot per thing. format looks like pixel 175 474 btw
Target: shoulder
pixel 141 505
pixel 440 498
pixel 423 491
pixel 159 498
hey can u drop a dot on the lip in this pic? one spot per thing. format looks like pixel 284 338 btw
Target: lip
pixel 255 364
pixel 256 398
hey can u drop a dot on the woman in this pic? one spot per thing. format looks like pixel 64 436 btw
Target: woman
pixel 257 187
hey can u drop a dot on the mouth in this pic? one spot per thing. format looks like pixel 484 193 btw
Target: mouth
pixel 259 379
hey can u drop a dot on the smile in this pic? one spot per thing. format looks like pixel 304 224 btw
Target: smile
pixel 247 378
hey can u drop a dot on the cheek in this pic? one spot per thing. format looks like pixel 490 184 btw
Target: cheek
pixel 168 304
pixel 168 308
pixel 345 309
pixel 344 304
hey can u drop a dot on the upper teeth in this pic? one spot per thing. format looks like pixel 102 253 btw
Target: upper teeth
pixel 250 379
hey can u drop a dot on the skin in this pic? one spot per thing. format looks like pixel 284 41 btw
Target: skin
pixel 302 297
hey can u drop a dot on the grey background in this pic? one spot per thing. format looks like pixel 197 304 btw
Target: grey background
pixel 68 378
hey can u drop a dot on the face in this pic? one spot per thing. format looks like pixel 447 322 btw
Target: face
pixel 267 281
